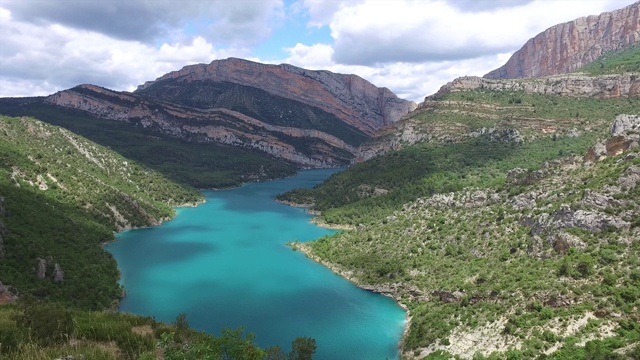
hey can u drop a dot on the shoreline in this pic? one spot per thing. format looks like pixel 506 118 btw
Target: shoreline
pixel 304 248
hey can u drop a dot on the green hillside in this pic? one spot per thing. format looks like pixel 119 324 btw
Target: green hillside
pixel 615 62
pixel 501 246
pixel 201 165
pixel 63 196
pixel 43 331
pixel 447 160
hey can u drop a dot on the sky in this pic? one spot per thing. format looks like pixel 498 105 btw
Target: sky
pixel 411 47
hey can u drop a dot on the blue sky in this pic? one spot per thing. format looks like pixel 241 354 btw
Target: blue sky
pixel 410 46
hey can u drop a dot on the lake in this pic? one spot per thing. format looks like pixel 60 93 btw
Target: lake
pixel 225 264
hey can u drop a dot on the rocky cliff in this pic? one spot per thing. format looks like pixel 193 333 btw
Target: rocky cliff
pixel 577 85
pixel 566 47
pixel 348 97
pixel 309 118
pixel 509 110
pixel 305 147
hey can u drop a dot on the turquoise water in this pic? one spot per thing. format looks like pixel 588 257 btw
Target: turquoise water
pixel 225 264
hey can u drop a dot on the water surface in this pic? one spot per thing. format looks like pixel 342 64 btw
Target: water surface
pixel 225 264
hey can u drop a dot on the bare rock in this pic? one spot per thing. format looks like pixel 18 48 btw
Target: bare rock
pixel 625 124
pixel 58 274
pixel 41 269
pixel 6 296
pixel 630 178
pixel 598 200
pixel 567 47
pixel 574 85
pixel 563 241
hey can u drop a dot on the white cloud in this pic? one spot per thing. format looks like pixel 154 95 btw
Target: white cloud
pixel 411 81
pixel 385 31
pixel 412 47
pixel 58 57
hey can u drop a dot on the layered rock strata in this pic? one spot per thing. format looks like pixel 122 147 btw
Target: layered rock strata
pixel 567 47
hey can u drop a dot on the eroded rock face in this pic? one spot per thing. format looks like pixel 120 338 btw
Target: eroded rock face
pixel 625 135
pixel 351 98
pixel 576 85
pixel 567 47
pixel 310 118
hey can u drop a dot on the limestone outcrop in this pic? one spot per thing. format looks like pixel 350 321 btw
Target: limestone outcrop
pixel 567 47
pixel 625 135
pixel 576 85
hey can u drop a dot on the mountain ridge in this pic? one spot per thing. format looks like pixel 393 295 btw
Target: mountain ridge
pixel 568 46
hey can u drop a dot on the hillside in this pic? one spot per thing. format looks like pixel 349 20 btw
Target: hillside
pixel 487 212
pixel 615 62
pixel 458 137
pixel 566 47
pixel 62 197
pixel 201 165
pixel 545 262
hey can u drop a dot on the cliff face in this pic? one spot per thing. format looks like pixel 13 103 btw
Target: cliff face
pixel 348 97
pixel 566 47
pixel 453 113
pixel 306 147
pixel 309 118
pixel 605 86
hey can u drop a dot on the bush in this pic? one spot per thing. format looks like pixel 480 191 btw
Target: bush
pixel 45 323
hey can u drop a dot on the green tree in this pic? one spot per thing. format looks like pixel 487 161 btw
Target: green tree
pixel 302 348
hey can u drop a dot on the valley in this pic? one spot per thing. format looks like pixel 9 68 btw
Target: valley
pixel 501 212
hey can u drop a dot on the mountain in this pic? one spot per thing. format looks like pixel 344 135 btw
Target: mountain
pixel 308 118
pixel 566 47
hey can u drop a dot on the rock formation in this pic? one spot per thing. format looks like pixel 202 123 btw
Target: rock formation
pixel 310 118
pixel 567 47
pixel 625 135
pixel 58 274
pixel 41 269
pixel 349 97
pixel 6 296
pixel 604 86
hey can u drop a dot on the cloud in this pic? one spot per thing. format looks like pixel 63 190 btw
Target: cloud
pixel 220 21
pixel 384 31
pixel 57 57
pixel 412 81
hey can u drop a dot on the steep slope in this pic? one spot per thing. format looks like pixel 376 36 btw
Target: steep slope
pixel 307 118
pixel 566 47
pixel 62 196
pixel 471 106
pixel 202 165
pixel 543 264
pixel 349 98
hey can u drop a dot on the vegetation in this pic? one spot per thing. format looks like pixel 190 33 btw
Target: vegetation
pixel 377 187
pixel 491 261
pixel 464 265
pixel 33 330
pixel 615 62
pixel 62 197
pixel 200 165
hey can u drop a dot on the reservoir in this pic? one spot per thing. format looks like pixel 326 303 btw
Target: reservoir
pixel 225 263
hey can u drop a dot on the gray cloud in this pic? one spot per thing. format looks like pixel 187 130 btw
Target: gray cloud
pixel 372 51
pixel 149 20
